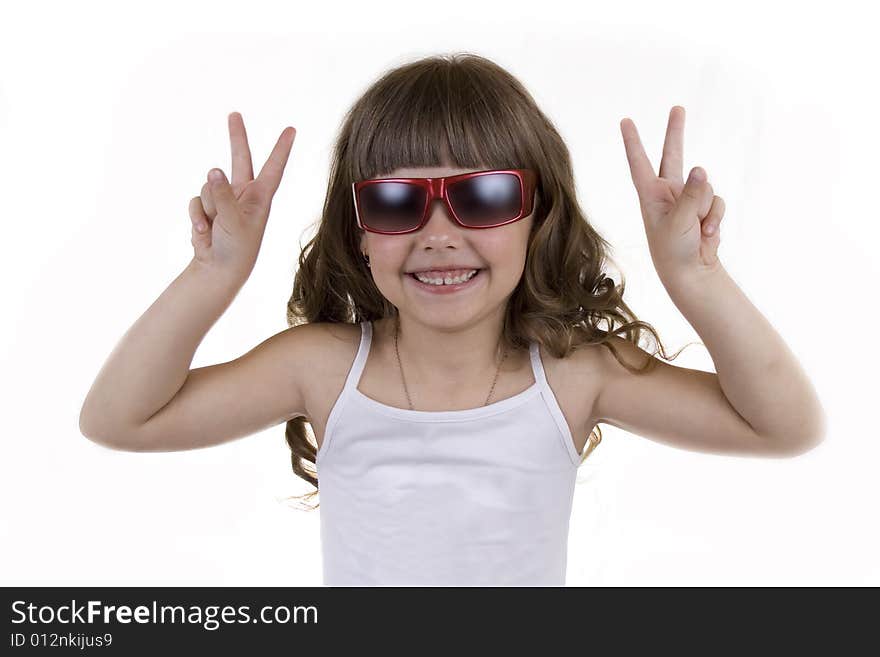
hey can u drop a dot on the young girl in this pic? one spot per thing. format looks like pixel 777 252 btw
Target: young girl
pixel 446 339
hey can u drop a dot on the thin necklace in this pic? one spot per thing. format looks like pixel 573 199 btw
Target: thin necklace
pixel 406 390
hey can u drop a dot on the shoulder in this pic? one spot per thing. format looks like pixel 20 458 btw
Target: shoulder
pixel 318 356
pixel 588 370
pixel 320 344
pixel 576 380
pixel 583 364
pixel 313 348
pixel 610 365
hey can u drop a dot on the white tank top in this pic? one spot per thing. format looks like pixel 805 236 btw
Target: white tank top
pixel 474 497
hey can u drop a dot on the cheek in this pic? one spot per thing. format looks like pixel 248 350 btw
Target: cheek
pixel 505 253
pixel 386 257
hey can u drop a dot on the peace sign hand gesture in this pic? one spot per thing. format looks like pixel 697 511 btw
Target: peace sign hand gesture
pixel 229 219
pixel 681 219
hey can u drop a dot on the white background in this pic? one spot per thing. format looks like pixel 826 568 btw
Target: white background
pixel 110 118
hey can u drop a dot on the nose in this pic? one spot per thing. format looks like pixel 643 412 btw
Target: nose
pixel 440 221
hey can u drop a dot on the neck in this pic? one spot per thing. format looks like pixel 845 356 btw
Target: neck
pixel 463 355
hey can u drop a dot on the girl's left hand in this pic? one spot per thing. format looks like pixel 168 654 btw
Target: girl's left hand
pixel 681 220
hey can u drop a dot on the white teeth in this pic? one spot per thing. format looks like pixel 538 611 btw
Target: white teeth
pixel 447 280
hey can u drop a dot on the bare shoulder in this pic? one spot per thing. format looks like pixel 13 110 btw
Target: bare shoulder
pixel 581 368
pixel 336 343
pixel 338 333
pixel 612 360
pixel 576 380
pixel 315 343
pixel 582 379
pixel 326 355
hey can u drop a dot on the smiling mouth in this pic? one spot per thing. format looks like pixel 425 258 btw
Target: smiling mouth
pixel 446 286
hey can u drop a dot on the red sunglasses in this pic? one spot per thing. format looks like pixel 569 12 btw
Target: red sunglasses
pixel 480 199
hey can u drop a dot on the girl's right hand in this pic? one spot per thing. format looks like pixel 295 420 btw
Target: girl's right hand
pixel 228 220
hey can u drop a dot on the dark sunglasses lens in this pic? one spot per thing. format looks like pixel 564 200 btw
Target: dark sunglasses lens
pixel 392 206
pixel 486 200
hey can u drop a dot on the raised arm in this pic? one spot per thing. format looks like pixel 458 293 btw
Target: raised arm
pixel 760 401
pixel 150 365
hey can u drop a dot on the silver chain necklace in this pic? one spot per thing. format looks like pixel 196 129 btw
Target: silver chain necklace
pixel 406 390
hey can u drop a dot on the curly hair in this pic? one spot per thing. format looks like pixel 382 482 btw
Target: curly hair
pixel 465 109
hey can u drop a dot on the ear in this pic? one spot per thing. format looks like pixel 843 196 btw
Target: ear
pixel 363 243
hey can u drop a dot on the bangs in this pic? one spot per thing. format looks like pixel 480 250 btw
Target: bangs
pixel 438 115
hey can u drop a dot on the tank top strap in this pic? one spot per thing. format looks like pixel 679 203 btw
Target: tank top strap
pixel 360 360
pixel 537 365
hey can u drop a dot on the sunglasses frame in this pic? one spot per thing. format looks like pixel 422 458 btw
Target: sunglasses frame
pixel 436 189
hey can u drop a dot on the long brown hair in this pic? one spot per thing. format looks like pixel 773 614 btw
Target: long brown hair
pixel 468 110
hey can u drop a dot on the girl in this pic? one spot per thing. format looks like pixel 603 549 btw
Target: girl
pixel 453 341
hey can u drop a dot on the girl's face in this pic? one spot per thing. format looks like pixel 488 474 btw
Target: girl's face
pixel 499 253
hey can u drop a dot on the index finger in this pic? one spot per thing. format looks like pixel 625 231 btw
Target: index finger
pixel 242 168
pixel 639 165
pixel 273 169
